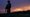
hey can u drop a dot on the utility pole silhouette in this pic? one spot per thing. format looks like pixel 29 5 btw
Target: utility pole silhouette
pixel 8 6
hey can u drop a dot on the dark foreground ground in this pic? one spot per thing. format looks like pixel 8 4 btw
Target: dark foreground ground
pixel 16 14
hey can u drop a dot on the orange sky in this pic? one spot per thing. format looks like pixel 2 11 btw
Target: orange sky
pixel 25 8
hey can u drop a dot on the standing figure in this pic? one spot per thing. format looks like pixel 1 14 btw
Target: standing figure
pixel 8 6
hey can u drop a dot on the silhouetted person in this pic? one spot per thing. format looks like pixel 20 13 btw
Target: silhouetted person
pixel 8 6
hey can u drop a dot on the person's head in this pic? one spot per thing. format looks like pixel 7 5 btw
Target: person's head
pixel 8 1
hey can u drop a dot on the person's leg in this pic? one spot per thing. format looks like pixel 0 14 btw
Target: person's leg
pixel 8 10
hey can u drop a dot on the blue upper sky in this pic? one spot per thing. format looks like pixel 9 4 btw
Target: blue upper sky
pixel 14 2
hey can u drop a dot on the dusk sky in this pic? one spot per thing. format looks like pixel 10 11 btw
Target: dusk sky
pixel 14 4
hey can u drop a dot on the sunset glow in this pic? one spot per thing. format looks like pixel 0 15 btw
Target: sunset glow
pixel 21 9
